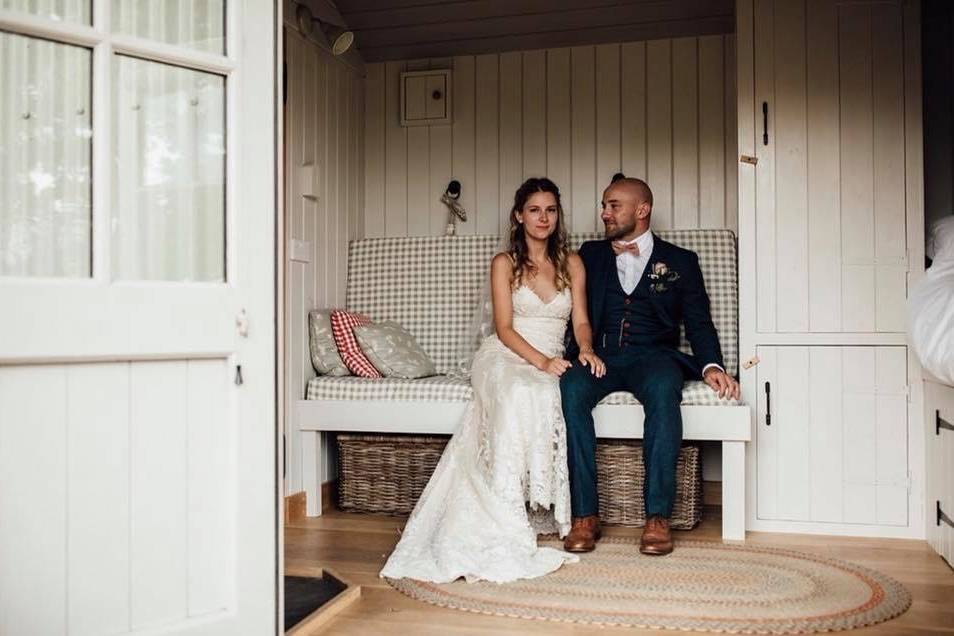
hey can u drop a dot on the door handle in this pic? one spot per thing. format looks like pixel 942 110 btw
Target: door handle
pixel 764 123
pixel 768 403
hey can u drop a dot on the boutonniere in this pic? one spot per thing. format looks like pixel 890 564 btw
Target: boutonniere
pixel 661 276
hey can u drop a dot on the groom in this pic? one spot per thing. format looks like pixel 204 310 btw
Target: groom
pixel 639 288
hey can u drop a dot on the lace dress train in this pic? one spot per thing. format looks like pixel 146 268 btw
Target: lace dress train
pixel 503 478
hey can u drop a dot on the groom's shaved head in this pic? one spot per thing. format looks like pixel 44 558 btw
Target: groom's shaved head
pixel 637 188
pixel 626 208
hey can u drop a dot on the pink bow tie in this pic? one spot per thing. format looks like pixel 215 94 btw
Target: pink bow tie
pixel 621 248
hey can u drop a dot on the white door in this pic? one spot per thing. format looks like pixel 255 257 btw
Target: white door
pixel 832 435
pixel 137 365
pixel 831 179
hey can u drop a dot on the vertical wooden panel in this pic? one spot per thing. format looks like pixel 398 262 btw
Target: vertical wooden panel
pixel 33 536
pixel 633 106
pixel 731 136
pixel 685 133
pixel 794 461
pixel 860 412
pixel 558 123
pixel 211 450
pixel 765 236
pixel 608 158
pixel 511 132
pixel 826 436
pixel 712 137
pixel 659 130
pixel 343 93
pixel 418 178
pixel 294 229
pixel 534 114
pixel 488 174
pixel 158 473
pixel 824 207
pixel 583 134
pixel 463 166
pixel 889 169
pixel 374 157
pixel 396 175
pixel 98 514
pixel 891 381
pixel 791 205
pixel 767 438
pixel 857 187
pixel 441 173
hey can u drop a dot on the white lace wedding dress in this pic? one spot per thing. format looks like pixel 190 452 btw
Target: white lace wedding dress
pixel 503 477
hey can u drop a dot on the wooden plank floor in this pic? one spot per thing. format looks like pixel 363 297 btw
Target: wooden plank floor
pixel 356 546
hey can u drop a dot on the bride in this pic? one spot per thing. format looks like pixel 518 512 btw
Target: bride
pixel 502 479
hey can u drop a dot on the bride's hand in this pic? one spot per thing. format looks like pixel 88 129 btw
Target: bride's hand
pixel 556 366
pixel 590 359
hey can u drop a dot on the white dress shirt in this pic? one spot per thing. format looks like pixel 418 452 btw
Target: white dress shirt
pixel 631 267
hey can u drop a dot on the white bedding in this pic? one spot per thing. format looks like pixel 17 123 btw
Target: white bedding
pixel 931 305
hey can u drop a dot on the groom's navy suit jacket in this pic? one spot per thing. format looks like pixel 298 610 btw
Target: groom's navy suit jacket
pixel 674 299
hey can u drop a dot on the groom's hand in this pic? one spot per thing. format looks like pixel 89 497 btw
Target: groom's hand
pixel 591 360
pixel 722 383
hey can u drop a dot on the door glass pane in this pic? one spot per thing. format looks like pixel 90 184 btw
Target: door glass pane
pixel 45 145
pixel 168 212
pixel 197 24
pixel 63 10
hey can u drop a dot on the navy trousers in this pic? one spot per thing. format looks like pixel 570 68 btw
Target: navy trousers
pixel 656 379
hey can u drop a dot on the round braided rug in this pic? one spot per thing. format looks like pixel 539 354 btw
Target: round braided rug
pixel 701 586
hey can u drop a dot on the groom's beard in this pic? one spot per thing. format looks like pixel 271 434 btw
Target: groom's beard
pixel 614 231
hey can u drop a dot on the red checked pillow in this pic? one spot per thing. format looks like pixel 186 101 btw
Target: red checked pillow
pixel 342 327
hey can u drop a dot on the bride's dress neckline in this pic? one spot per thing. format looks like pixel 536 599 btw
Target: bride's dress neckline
pixel 556 295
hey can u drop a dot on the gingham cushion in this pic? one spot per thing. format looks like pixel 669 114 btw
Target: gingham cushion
pixel 442 388
pixel 342 326
pixel 693 394
pixel 437 388
pixel 430 285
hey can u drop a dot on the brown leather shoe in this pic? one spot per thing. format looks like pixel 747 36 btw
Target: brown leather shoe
pixel 583 535
pixel 657 538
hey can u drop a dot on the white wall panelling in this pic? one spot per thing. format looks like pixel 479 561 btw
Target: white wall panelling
pixel 324 128
pixel 131 525
pixel 663 109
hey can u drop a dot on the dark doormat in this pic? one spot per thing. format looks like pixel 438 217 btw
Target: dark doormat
pixel 303 595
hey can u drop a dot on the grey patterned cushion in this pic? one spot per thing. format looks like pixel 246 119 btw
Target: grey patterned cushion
pixel 442 388
pixel 393 351
pixel 430 284
pixel 324 352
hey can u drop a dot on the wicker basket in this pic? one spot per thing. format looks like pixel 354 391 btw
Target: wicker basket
pixel 387 473
pixel 620 475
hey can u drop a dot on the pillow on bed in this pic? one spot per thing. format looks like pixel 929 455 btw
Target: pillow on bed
pixel 342 326
pixel 321 343
pixel 394 351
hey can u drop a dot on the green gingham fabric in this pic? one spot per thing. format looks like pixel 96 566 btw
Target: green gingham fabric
pixel 429 285
pixel 442 388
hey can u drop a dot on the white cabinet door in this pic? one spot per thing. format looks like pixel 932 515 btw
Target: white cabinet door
pixel 137 361
pixel 829 109
pixel 832 435
pixel 939 443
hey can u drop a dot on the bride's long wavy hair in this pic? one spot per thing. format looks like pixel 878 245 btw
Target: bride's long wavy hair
pixel 558 249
